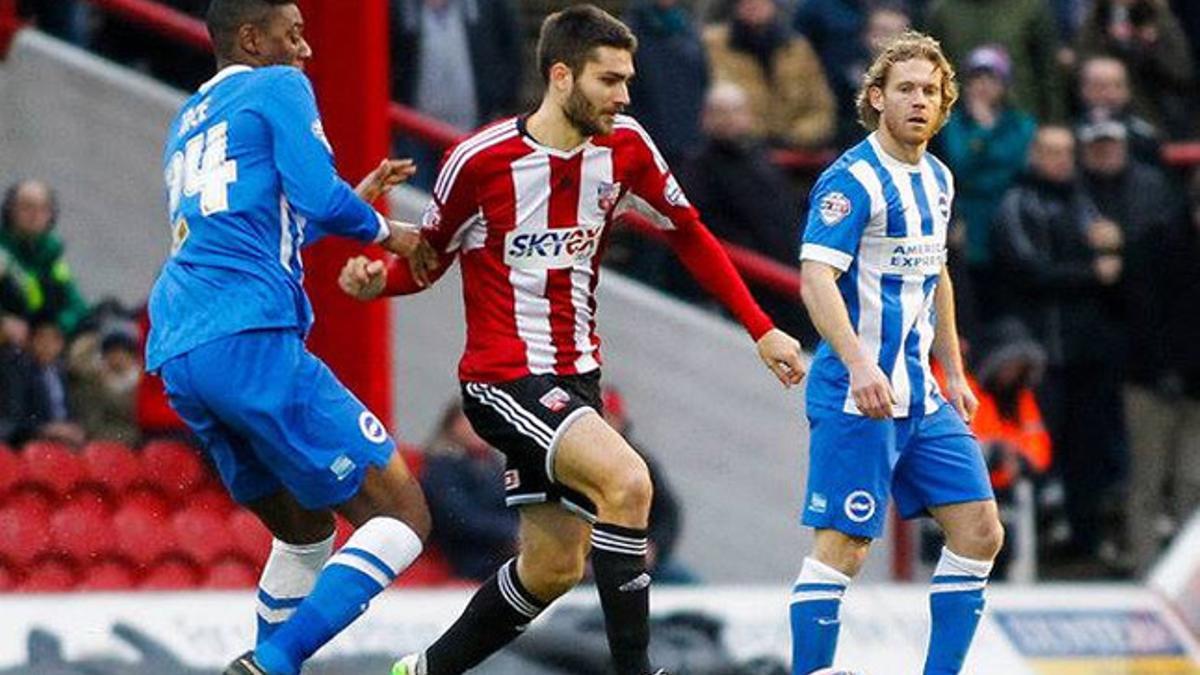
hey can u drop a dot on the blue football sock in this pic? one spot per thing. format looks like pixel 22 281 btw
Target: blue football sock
pixel 373 556
pixel 955 606
pixel 289 575
pixel 816 600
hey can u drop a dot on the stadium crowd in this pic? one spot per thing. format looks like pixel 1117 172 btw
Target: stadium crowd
pixel 1076 248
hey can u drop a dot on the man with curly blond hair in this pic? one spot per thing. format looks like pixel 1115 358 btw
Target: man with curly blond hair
pixel 877 288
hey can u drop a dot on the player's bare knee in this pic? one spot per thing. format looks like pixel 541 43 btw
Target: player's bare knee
pixel 628 494
pixel 981 540
pixel 842 552
pixel 990 538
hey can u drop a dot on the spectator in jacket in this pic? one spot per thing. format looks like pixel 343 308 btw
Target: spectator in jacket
pixel 1145 35
pixel 985 143
pixel 65 19
pixel 1145 206
pixel 16 380
pixel 35 255
pixel 1061 263
pixel 726 178
pixel 1164 414
pixel 847 34
pixel 50 412
pixel 1104 94
pixel 105 367
pixel 458 61
pixel 668 93
pixel 1026 29
pixel 145 50
pixel 779 72
pixel 1188 13
pixel 463 483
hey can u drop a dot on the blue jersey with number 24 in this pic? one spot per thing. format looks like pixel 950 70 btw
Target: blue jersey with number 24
pixel 250 180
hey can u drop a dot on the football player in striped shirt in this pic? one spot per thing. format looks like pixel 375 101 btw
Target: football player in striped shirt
pixel 525 204
pixel 873 262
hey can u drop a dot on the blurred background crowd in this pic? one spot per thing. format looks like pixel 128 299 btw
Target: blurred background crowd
pixel 1075 244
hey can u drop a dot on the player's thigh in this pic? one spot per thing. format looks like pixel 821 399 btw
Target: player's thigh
pixel 554 544
pixel 312 433
pixel 390 490
pixel 243 474
pixel 941 464
pixel 851 458
pixel 595 460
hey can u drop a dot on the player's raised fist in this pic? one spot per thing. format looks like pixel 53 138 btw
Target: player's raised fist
pixel 363 278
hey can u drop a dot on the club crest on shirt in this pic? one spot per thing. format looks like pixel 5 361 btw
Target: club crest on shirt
pixel 431 217
pixel 943 206
pixel 555 400
pixel 607 195
pixel 512 479
pixel 834 207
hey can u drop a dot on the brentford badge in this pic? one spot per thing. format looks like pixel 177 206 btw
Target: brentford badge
pixel 555 400
pixel 431 217
pixel 833 208
pixel 607 195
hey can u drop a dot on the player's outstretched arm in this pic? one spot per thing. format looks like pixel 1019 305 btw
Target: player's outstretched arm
pixel 870 388
pixel 710 266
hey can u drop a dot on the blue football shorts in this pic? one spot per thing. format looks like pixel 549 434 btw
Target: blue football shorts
pixel 856 463
pixel 272 416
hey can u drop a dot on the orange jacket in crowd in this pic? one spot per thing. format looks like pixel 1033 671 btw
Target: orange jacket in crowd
pixel 1026 434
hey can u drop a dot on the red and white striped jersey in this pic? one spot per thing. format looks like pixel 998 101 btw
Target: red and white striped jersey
pixel 529 223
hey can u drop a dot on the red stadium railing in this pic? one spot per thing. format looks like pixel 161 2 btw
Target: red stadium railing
pixel 161 19
pixel 10 23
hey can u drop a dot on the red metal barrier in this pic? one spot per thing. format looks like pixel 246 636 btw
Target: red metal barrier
pixel 755 267
pixel 10 23
pixel 1181 155
pixel 437 133
pixel 166 21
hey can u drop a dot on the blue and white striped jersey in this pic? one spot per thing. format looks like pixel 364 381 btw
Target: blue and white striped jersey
pixel 250 180
pixel 882 223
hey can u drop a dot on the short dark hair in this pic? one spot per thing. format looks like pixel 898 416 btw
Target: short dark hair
pixel 570 37
pixel 226 17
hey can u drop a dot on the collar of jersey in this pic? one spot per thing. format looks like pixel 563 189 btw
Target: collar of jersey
pixel 889 161
pixel 226 72
pixel 554 152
